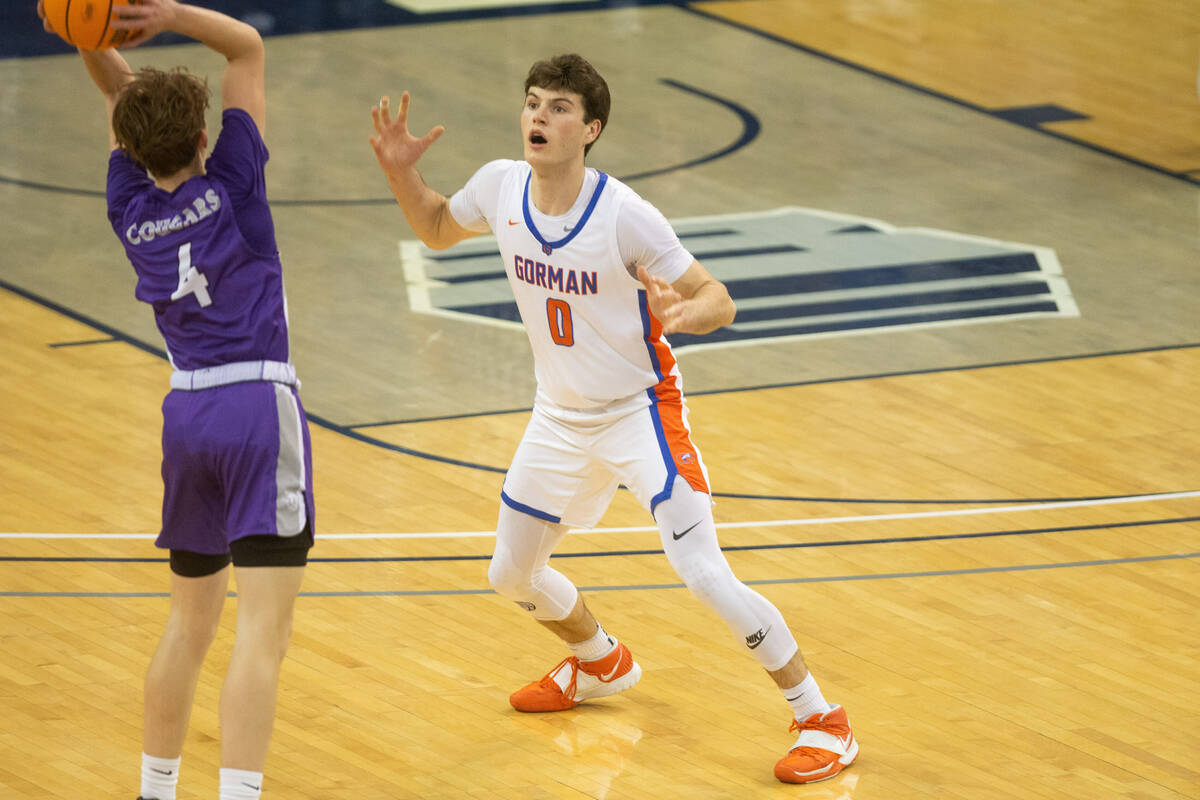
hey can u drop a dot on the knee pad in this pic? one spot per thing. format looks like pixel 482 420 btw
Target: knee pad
pixel 518 569
pixel 507 579
pixel 544 592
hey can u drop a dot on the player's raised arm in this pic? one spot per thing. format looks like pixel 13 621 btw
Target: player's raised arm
pixel 108 70
pixel 243 84
pixel 397 151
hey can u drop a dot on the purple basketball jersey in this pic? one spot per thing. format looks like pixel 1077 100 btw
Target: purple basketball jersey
pixel 236 451
pixel 205 254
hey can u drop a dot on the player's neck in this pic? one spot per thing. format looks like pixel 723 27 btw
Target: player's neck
pixel 169 183
pixel 173 182
pixel 554 190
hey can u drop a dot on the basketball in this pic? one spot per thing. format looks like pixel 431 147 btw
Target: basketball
pixel 84 23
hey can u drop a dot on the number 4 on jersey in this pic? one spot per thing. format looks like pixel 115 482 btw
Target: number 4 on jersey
pixel 190 280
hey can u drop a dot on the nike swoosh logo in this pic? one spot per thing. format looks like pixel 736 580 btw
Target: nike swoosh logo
pixel 251 786
pixel 793 699
pixel 611 674
pixel 846 742
pixel 678 536
pixel 510 222
pixel 167 772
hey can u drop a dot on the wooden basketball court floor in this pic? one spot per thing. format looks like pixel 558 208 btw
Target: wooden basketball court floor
pixel 985 536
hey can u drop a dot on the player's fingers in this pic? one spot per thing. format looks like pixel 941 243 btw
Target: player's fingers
pixel 674 318
pixel 137 38
pixel 433 135
pixel 125 18
pixel 647 279
pixel 402 112
pixel 135 12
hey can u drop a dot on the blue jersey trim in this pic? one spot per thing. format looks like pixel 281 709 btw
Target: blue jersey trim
pixel 644 310
pixel 587 213
pixel 668 458
pixel 530 510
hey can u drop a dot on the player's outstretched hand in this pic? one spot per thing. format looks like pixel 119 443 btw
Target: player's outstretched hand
pixel 666 304
pixel 145 20
pixel 395 148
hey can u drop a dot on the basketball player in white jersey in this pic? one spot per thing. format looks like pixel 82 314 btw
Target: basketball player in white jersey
pixel 599 277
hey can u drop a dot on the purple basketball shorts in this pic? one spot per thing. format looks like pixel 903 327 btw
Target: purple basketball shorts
pixel 237 461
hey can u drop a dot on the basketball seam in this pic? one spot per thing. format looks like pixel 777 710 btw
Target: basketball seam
pixel 67 22
pixel 107 20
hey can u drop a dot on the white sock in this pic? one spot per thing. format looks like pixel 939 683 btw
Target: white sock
pixel 597 647
pixel 805 699
pixel 239 784
pixel 160 776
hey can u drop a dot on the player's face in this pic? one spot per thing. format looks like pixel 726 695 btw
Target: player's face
pixel 553 128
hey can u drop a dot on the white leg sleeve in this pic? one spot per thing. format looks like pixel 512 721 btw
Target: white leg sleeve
pixel 689 538
pixel 519 568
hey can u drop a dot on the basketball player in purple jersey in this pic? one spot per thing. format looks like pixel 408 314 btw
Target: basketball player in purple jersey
pixel 236 457
pixel 599 278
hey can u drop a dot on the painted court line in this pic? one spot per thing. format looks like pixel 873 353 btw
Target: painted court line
pixel 954 512
pixel 641 587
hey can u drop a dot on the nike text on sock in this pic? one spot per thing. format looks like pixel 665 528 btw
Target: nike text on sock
pixel 240 784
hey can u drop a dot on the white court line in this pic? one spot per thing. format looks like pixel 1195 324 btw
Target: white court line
pixel 954 512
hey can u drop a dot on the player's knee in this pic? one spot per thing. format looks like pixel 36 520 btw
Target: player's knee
pixel 707 581
pixel 192 633
pixel 508 579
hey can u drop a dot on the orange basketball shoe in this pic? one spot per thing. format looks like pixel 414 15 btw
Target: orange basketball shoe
pixel 573 681
pixel 824 748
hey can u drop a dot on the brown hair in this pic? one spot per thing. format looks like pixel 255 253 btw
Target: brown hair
pixel 572 73
pixel 159 117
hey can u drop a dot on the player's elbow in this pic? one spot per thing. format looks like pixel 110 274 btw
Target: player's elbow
pixel 250 42
pixel 728 311
pixel 723 307
pixel 438 243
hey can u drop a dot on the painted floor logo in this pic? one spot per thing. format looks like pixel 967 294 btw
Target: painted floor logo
pixel 796 273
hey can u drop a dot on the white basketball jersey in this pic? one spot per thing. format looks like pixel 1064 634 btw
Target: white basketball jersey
pixel 593 337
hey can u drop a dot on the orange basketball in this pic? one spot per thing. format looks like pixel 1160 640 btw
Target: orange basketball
pixel 84 23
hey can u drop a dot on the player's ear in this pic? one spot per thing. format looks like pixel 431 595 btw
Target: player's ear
pixel 594 128
pixel 204 138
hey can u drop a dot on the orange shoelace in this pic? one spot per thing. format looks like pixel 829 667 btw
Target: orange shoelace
pixel 548 682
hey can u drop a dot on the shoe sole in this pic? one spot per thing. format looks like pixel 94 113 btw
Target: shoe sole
pixel 626 681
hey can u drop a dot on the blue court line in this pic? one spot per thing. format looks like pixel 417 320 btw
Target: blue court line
pixel 647 552
pixel 893 301
pixel 894 275
pixel 1004 114
pixel 350 430
pixel 83 343
pixel 751 127
pixel 506 310
pixel 732 333
pixel 641 587
pixel 901 277
pixel 84 320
